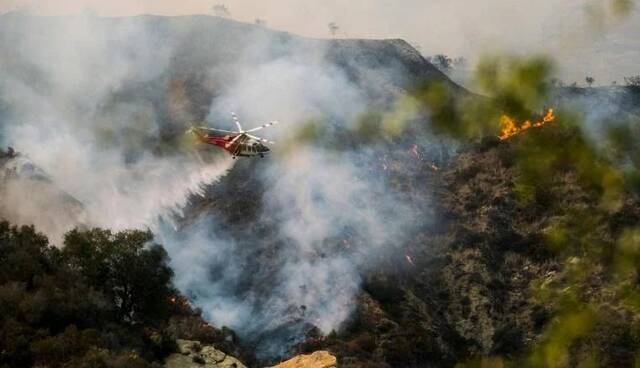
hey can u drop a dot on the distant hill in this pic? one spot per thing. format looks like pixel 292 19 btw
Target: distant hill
pixel 199 55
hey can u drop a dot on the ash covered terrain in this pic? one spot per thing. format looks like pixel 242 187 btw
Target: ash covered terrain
pixel 375 230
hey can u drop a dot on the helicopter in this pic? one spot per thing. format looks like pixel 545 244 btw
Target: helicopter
pixel 238 143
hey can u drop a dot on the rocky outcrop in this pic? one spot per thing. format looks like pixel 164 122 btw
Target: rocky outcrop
pixel 319 359
pixel 192 354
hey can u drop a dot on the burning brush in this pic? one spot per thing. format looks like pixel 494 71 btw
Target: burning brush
pixel 509 127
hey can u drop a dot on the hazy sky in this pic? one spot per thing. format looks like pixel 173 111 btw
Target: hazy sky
pixel 455 27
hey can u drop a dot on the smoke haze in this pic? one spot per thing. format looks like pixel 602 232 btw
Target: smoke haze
pixel 273 285
pixel 100 106
pixel 563 29
pixel 59 91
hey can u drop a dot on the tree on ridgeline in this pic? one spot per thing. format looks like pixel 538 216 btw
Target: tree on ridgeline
pixel 333 29
pixel 221 10
pixel 589 81
pixel 632 81
pixel 442 62
pixel 460 62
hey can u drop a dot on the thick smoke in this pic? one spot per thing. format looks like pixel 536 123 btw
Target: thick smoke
pixel 332 215
pixel 457 28
pixel 333 220
pixel 63 112
pixel 92 118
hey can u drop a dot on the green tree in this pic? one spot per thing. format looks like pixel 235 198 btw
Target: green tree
pixel 24 254
pixel 92 304
pixel 131 270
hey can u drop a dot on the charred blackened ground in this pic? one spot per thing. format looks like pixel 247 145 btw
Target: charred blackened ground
pixel 468 288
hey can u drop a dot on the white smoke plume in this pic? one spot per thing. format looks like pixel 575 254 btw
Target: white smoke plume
pixel 90 147
pixel 320 200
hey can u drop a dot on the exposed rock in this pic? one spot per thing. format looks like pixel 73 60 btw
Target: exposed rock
pixel 187 347
pixel 230 362
pixel 318 359
pixel 210 353
pixel 192 354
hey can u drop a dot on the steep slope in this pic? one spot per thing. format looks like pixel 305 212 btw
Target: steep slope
pixel 475 285
pixel 101 105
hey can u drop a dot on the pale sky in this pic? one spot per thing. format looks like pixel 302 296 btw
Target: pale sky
pixel 467 28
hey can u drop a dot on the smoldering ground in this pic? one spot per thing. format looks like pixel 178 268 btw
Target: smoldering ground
pixel 100 105
pixel 323 216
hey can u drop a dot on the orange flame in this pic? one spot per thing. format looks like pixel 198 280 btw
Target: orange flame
pixel 509 126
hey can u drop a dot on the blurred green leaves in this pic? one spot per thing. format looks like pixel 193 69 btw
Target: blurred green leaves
pixel 585 185
pixel 621 7
pixel 601 14
pixel 553 350
pixel 517 87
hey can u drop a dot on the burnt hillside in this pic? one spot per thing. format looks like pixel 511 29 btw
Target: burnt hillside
pixel 474 285
pixel 366 231
pixel 470 283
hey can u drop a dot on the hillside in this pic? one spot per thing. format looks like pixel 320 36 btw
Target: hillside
pixel 378 229
pixel 149 79
pixel 177 65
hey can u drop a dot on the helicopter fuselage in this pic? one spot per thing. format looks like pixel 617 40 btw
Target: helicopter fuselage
pixel 243 146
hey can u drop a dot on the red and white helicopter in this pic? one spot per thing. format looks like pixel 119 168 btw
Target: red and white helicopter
pixel 239 143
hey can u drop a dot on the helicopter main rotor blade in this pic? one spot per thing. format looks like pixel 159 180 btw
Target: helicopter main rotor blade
pixel 262 127
pixel 218 130
pixel 233 140
pixel 261 139
pixel 237 121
